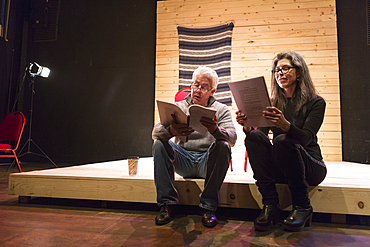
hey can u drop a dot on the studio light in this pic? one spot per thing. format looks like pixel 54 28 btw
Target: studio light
pixel 36 69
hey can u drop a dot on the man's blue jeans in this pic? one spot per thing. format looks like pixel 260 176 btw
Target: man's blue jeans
pixel 211 165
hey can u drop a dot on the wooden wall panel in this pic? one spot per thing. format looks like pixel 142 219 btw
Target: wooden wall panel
pixel 262 29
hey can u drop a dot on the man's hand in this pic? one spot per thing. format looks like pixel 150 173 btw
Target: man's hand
pixel 210 124
pixel 276 117
pixel 179 129
pixel 240 118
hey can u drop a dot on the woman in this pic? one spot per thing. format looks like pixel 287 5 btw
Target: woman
pixel 294 158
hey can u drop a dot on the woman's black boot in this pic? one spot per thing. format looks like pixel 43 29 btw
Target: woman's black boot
pixel 298 218
pixel 270 213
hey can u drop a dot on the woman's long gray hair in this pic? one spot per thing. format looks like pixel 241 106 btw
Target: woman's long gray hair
pixel 304 91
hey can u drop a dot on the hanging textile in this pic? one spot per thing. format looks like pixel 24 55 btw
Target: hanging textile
pixel 209 47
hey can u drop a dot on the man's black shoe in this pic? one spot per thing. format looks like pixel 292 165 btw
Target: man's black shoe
pixel 164 215
pixel 209 218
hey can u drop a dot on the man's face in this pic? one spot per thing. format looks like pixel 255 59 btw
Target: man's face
pixel 201 90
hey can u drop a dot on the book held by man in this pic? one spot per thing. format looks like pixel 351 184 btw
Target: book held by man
pixel 251 98
pixel 196 112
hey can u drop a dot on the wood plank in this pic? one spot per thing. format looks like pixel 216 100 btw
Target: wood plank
pixel 266 29
pixel 332 120
pixel 332 157
pixel 247 56
pixel 332 112
pixel 248 3
pixel 329 135
pixel 331 149
pixel 239 11
pixel 322 61
pixel 328 90
pixel 344 191
pixel 330 143
pixel 278 48
pixel 166 60
pixel 167 73
pixel 316 28
pixel 326 82
pixel 241 8
pixel 241 20
pixel 284 41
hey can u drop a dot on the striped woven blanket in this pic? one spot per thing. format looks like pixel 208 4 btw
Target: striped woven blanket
pixel 207 47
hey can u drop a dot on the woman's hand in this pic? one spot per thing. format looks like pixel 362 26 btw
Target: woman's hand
pixel 240 118
pixel 276 116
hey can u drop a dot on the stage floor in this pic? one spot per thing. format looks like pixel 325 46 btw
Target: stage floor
pixel 344 191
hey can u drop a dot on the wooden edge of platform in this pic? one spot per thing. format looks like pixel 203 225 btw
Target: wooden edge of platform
pixel 324 199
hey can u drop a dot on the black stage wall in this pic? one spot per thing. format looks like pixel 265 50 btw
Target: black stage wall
pixel 10 53
pixel 98 103
pixel 354 72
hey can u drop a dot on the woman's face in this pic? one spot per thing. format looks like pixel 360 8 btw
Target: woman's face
pixel 286 76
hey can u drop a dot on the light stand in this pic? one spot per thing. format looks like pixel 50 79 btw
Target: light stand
pixel 44 72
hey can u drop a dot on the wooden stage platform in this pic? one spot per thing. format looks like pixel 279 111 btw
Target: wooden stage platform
pixel 346 189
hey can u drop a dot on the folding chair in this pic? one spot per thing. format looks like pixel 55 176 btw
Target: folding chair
pixel 11 129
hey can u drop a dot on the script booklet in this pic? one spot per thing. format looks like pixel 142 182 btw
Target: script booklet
pixel 251 98
pixel 196 112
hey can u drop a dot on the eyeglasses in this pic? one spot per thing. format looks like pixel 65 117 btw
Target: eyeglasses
pixel 284 69
pixel 202 89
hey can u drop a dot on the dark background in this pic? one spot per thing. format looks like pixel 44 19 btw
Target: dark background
pixel 98 103
pixel 354 74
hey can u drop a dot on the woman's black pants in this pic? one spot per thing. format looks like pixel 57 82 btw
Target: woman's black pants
pixel 287 162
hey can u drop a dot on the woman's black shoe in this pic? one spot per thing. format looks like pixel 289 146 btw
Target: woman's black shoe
pixel 270 213
pixel 298 218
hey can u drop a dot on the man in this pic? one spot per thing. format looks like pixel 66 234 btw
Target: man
pixel 201 156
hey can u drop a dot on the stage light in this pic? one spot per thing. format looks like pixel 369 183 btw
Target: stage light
pixel 37 70
pixel 34 69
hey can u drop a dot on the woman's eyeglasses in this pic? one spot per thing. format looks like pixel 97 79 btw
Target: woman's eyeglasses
pixel 284 69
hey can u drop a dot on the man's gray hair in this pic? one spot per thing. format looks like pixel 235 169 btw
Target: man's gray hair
pixel 207 72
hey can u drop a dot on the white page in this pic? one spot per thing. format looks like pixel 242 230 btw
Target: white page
pixel 167 109
pixel 196 113
pixel 251 98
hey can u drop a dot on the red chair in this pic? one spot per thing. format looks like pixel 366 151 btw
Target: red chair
pixel 245 161
pixel 11 129
pixel 180 95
